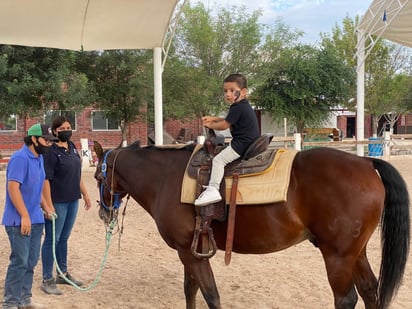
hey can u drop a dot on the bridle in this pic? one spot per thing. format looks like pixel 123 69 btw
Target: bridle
pixel 115 197
pixel 115 200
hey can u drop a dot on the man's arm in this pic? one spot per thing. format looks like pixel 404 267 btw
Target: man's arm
pixel 17 199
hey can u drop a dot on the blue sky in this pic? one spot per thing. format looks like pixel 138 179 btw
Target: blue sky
pixel 310 16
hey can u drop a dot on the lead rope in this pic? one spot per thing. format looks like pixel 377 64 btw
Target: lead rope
pixel 108 239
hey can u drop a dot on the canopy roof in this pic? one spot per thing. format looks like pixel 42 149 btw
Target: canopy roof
pixel 389 19
pixel 86 24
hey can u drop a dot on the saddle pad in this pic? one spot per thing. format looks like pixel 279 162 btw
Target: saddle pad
pixel 268 187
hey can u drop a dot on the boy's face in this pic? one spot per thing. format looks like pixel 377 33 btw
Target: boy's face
pixel 233 93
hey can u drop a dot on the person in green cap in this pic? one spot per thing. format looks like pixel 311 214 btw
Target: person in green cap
pixel 26 206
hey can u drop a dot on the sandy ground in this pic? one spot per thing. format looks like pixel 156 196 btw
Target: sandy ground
pixel 142 272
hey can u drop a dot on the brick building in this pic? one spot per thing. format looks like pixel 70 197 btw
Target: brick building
pixel 89 124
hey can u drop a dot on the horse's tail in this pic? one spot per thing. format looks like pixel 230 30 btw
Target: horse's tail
pixel 395 234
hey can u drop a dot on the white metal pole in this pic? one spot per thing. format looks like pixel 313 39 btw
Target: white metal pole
pixel 298 141
pixel 158 107
pixel 360 116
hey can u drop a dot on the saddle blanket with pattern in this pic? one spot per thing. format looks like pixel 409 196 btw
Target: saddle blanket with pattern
pixel 270 186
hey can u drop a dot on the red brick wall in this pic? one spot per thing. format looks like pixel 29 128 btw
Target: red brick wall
pixel 13 140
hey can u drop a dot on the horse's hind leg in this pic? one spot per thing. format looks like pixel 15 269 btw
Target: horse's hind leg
pixel 339 270
pixel 365 281
pixel 199 274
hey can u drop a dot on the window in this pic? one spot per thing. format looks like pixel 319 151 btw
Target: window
pixel 8 123
pixel 101 122
pixel 51 114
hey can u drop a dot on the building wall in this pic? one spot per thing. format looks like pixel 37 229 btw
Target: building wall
pixel 13 140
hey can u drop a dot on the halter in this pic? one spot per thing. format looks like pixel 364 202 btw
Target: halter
pixel 115 200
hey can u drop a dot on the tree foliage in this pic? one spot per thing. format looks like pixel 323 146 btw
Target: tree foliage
pixel 304 86
pixel 122 83
pixel 35 79
pixel 205 50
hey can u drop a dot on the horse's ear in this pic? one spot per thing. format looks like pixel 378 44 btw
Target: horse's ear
pixel 210 133
pixel 98 149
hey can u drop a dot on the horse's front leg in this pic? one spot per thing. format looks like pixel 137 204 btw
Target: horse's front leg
pixel 191 287
pixel 199 274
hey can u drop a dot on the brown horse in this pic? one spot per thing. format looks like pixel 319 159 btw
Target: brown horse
pixel 335 200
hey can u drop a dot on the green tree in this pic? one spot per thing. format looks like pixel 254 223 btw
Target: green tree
pixel 306 82
pixel 122 83
pixel 205 50
pixel 33 80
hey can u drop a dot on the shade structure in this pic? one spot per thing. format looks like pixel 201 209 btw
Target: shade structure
pixel 387 19
pixel 85 24
pixel 390 20
pixel 94 25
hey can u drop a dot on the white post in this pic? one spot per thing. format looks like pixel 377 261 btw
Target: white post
pixel 201 139
pixel 85 155
pixel 298 141
pixel 386 143
pixel 360 116
pixel 158 107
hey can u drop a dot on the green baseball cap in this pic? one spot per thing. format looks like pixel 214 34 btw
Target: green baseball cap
pixel 41 130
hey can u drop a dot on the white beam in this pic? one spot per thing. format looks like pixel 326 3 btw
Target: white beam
pixel 360 100
pixel 158 104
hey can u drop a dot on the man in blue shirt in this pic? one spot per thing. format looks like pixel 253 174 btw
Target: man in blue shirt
pixel 23 216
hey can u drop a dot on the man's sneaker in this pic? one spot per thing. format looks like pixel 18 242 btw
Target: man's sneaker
pixel 60 280
pixel 209 196
pixel 49 287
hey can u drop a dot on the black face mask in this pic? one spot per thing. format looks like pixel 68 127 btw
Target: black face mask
pixel 64 136
pixel 40 149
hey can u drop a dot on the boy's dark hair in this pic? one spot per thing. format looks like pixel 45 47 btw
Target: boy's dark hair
pixel 57 122
pixel 237 78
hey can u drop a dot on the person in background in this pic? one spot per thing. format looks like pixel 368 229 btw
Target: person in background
pixel 244 128
pixel 64 184
pixel 23 217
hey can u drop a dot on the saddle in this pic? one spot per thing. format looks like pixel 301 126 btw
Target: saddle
pixel 256 159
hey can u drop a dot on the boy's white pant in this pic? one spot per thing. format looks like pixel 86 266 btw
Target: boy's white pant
pixel 219 162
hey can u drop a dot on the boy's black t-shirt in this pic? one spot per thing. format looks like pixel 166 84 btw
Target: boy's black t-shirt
pixel 63 170
pixel 244 125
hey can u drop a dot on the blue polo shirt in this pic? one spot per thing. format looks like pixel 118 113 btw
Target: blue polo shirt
pixel 28 170
pixel 63 170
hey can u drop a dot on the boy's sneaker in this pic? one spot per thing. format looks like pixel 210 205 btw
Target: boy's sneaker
pixel 60 280
pixel 209 196
pixel 49 287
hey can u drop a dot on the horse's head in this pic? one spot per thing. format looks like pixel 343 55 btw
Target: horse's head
pixel 111 193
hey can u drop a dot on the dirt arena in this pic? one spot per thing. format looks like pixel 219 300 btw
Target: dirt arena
pixel 142 272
